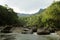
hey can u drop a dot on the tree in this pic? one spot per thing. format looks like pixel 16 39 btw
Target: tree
pixel 7 16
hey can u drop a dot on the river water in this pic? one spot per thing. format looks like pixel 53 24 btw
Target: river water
pixel 18 36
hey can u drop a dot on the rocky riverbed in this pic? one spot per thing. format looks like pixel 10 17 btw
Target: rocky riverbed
pixel 19 33
pixel 25 30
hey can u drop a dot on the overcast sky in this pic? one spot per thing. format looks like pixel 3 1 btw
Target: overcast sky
pixel 26 6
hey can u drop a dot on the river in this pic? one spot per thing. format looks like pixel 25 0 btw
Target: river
pixel 18 36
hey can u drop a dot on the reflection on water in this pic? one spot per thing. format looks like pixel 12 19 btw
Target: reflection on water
pixel 25 37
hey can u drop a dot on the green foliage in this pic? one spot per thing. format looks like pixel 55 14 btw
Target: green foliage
pixel 7 16
pixel 51 16
pixel 23 21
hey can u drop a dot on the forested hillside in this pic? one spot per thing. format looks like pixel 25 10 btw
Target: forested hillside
pixel 51 16
pixel 48 17
pixel 7 16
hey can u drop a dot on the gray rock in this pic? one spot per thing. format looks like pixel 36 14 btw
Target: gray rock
pixel 43 32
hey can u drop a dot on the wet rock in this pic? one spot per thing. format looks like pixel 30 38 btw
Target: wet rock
pixel 52 31
pixel 34 29
pixel 6 30
pixel 24 32
pixel 27 31
pixel 42 32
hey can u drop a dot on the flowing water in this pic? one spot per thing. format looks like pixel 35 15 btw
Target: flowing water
pixel 18 36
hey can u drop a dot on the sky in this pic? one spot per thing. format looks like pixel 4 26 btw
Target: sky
pixel 27 6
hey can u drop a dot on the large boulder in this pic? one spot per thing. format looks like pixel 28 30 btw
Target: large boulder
pixel 6 30
pixel 34 29
pixel 27 31
pixel 24 32
pixel 43 32
pixel 52 30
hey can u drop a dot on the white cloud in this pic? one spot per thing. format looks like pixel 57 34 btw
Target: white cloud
pixel 26 6
pixel 2 2
pixel 16 9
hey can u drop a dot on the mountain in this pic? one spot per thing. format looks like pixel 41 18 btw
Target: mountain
pixel 26 15
pixel 40 11
pixel 23 15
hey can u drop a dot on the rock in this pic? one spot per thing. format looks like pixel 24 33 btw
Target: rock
pixel 6 30
pixel 24 32
pixel 58 32
pixel 52 31
pixel 42 32
pixel 34 29
pixel 27 31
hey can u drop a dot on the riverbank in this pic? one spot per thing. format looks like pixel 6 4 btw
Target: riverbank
pixel 25 30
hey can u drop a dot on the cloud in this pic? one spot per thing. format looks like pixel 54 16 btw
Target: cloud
pixel 27 6
pixel 2 2
pixel 16 9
